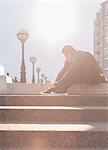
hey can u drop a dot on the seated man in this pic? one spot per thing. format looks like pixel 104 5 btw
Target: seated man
pixel 80 67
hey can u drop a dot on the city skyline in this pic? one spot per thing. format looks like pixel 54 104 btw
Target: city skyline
pixel 48 31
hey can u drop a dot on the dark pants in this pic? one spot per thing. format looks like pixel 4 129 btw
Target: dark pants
pixel 71 78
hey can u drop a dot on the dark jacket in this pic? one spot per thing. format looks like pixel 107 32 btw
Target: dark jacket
pixel 82 69
pixel 65 68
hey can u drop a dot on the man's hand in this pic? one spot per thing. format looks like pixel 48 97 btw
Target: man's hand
pixel 49 90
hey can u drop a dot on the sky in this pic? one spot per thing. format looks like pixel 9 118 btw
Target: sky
pixel 50 24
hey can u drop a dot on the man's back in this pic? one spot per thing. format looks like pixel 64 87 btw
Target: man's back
pixel 86 68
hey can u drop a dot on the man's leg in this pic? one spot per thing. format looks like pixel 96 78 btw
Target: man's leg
pixel 68 79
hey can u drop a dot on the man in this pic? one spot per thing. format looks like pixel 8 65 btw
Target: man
pixel 80 67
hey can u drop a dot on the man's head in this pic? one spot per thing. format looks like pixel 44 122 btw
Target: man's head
pixel 68 52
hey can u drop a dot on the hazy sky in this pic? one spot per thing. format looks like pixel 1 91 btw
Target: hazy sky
pixel 50 24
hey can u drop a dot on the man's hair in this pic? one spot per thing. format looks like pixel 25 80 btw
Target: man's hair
pixel 67 48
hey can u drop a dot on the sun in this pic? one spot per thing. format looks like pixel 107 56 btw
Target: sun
pixel 55 21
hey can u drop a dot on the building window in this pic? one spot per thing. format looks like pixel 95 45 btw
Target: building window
pixel 106 43
pixel 105 63
pixel 106 22
pixel 106 6
pixel 106 53
pixel 106 73
pixel 106 31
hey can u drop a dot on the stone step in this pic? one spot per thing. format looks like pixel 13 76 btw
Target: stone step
pixel 98 148
pixel 54 100
pixel 53 114
pixel 54 136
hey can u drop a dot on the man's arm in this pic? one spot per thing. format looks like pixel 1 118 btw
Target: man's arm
pixel 63 71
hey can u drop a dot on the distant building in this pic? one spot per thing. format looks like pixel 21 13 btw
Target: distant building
pixel 101 37
pixel 2 70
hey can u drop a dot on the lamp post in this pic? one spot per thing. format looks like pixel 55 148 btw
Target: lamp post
pixel 33 61
pixel 42 75
pixel 38 72
pixel 22 35
pixel 46 79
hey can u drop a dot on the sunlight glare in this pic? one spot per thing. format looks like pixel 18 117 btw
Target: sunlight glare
pixel 55 22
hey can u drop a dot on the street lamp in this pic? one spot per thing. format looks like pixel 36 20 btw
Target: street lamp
pixel 22 35
pixel 33 61
pixel 42 75
pixel 46 79
pixel 38 72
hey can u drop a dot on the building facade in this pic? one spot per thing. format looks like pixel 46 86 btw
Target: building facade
pixel 101 37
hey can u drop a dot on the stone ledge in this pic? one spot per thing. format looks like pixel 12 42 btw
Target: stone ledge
pixel 23 88
pixel 99 88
